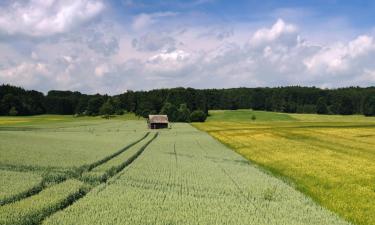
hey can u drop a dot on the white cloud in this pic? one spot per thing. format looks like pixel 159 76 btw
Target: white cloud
pixel 26 74
pixel 175 56
pixel 145 20
pixel 279 31
pixel 38 18
pixel 353 57
pixel 273 56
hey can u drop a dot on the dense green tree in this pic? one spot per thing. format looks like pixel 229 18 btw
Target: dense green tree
pixel 94 105
pixel 107 108
pixel 278 102
pixel 183 113
pixel 171 111
pixel 82 105
pixel 281 99
pixel 13 111
pixel 321 106
pixel 258 100
pixel 198 116
pixel 309 108
pixel 369 105
pixel 8 101
pixel 346 106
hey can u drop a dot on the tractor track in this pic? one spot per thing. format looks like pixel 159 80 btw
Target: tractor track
pixel 71 200
pixel 56 177
pixel 87 187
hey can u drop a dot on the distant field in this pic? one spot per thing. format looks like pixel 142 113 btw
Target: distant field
pixel 65 170
pixel 61 141
pixel 331 158
pixel 54 120
pixel 245 115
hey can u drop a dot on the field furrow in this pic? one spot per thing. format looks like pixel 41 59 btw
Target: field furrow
pixel 103 172
pixel 33 209
pixel 50 176
pixel 18 185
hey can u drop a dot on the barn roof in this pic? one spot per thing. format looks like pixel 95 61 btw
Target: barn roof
pixel 158 118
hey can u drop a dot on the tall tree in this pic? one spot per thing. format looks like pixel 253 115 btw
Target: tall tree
pixel 183 113
pixel 346 106
pixel 369 105
pixel 171 111
pixel 321 106
pixel 94 105
pixel 198 116
pixel 107 108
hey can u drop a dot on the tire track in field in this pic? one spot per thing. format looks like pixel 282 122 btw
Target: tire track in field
pixel 241 192
pixel 106 159
pixel 56 177
pixel 71 200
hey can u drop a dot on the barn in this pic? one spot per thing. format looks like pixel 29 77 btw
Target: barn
pixel 157 121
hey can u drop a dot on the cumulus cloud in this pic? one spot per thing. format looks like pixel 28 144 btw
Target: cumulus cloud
pixel 169 63
pixel 353 57
pixel 273 56
pixel 25 74
pixel 39 18
pixel 280 31
pixel 109 61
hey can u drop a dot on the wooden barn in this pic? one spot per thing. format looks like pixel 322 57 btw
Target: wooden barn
pixel 157 121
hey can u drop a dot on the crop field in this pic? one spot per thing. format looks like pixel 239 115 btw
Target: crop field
pixel 62 143
pixel 15 184
pixel 44 161
pixel 119 172
pixel 186 177
pixel 329 158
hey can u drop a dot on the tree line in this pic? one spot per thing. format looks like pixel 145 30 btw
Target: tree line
pixel 186 104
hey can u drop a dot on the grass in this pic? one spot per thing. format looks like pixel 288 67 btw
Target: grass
pixel 330 158
pixel 186 177
pixel 245 115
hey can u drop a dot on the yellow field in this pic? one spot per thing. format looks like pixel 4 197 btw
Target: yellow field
pixel 328 158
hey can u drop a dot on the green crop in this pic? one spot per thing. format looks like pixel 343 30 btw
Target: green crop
pixel 58 144
pixel 45 189
pixel 33 209
pixel 106 170
pixel 186 177
pixel 63 146
pixel 15 185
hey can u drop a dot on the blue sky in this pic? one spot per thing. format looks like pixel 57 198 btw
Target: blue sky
pixel 113 46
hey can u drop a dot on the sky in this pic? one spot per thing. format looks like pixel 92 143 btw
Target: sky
pixel 97 46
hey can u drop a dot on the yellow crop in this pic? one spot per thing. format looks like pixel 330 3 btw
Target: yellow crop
pixel 332 161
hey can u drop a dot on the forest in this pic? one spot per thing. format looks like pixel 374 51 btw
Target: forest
pixel 185 104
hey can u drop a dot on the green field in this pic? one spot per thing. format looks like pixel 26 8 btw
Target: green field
pixel 185 177
pixel 330 158
pixel 61 142
pixel 97 171
pixel 243 115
